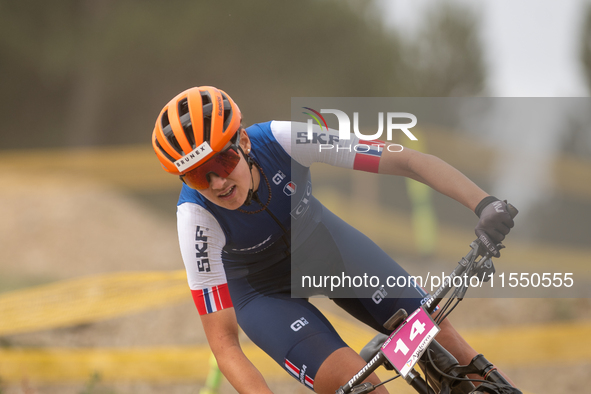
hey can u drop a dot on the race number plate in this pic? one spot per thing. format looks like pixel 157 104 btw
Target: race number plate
pixel 406 345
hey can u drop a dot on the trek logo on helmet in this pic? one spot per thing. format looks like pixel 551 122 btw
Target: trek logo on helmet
pixel 193 157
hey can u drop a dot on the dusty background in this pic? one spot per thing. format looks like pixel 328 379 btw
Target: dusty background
pixel 84 74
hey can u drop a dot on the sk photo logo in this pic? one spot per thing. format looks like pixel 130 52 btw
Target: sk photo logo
pixel 327 140
pixel 315 117
pixel 345 124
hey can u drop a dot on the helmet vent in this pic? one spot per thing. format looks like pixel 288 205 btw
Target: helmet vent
pixel 227 112
pixel 169 134
pixel 185 117
pixel 165 153
pixel 207 115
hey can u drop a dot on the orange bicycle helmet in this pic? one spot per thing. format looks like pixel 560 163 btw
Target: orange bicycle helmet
pixel 193 127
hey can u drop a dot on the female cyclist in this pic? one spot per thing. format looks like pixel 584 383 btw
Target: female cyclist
pixel 246 210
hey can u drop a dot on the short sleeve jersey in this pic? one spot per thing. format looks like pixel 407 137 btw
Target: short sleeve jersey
pixel 218 244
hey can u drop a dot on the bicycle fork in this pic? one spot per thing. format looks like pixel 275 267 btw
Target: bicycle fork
pixel 447 364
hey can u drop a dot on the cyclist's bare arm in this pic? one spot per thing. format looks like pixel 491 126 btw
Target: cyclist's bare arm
pixel 433 172
pixel 221 329
pixel 447 180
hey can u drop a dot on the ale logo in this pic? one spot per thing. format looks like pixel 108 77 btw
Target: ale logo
pixel 299 324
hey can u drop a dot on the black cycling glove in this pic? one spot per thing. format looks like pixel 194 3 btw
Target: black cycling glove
pixel 495 222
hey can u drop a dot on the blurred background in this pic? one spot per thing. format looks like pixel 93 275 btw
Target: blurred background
pixel 93 297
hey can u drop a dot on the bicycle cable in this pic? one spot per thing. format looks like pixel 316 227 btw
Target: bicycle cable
pixel 386 381
pixel 444 308
pixel 454 296
pixel 450 376
pixel 444 313
pixel 441 318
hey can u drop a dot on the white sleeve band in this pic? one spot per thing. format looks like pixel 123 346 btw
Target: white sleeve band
pixel 324 146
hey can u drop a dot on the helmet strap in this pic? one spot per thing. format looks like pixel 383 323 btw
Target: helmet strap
pixel 251 193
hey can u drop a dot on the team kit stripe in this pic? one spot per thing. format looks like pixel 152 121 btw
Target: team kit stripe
pixel 292 368
pixel 366 163
pixel 375 148
pixel 373 143
pixel 368 159
pixel 308 381
pixel 212 299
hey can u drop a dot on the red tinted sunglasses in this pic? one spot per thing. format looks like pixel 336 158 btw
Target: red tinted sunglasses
pixel 221 164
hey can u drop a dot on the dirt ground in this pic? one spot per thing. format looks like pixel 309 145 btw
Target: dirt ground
pixel 179 325
pixel 58 229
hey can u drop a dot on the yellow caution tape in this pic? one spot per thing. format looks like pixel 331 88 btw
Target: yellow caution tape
pixel 89 299
pixel 511 346
pixel 105 296
pixel 166 364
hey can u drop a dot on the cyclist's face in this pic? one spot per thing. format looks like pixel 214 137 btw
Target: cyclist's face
pixel 231 192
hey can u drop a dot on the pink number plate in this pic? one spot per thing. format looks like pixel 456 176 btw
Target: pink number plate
pixel 406 345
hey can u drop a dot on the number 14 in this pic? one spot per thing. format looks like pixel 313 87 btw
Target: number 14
pixel 416 329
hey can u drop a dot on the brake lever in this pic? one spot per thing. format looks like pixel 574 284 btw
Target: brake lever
pixel 469 259
pixel 483 268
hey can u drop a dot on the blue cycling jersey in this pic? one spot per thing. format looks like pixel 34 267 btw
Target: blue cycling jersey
pixel 234 243
pixel 244 258
pixel 286 184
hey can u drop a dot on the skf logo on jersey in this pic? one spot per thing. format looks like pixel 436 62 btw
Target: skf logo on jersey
pixel 379 295
pixel 304 203
pixel 290 188
pixel 298 324
pixel 201 247
pixel 278 178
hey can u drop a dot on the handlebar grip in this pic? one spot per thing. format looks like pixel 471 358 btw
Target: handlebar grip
pixel 512 210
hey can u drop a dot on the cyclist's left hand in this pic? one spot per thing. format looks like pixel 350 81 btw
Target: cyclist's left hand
pixel 495 222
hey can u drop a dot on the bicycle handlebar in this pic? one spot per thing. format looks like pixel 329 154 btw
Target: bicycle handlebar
pixel 468 262
pixel 512 210
pixel 465 263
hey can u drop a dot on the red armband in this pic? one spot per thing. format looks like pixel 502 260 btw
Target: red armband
pixel 212 299
pixel 368 155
